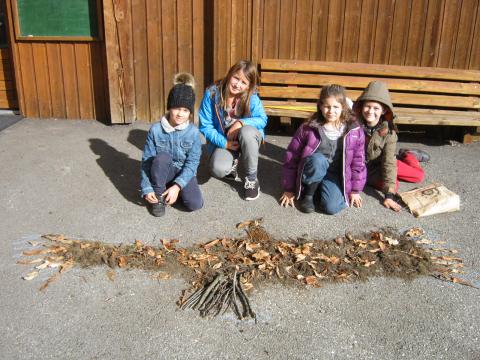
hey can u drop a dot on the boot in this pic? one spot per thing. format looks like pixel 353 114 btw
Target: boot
pixel 421 155
pixel 306 204
pixel 158 209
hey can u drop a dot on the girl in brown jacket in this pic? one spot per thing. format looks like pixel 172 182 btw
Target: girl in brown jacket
pixel 375 111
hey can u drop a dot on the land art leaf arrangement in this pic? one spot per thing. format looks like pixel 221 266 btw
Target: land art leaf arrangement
pixel 223 270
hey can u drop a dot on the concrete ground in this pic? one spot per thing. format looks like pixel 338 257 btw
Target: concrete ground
pixel 80 178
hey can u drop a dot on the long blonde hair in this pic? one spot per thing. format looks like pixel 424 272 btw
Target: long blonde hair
pixel 338 92
pixel 249 69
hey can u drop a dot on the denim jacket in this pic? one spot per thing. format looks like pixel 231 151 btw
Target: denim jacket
pixel 211 126
pixel 184 146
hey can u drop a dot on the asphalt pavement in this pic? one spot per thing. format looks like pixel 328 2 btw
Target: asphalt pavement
pixel 80 178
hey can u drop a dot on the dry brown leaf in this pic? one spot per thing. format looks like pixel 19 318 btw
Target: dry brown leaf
pixel 369 263
pixel 122 261
pixel 29 262
pixel 376 235
pixel 247 286
pixel 251 246
pixel 424 241
pixel 138 244
pixel 37 252
pixel 391 241
pixel 462 282
pixel 85 245
pixel 211 243
pixel 261 255
pixel 311 280
pixel 111 275
pixel 162 275
pixel 244 224
pixel 51 279
pixel 67 265
pixel 54 237
pixel 42 266
pixel 151 252
pixel 300 257
pixel 382 246
pixel 30 276
pixel 217 266
pixel 415 232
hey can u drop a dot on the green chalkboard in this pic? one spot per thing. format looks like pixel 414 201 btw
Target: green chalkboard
pixel 57 18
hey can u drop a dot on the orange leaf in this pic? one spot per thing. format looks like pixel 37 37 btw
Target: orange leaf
pixel 311 280
pixel 122 261
pixel 138 244
pixel 49 281
pixel 111 275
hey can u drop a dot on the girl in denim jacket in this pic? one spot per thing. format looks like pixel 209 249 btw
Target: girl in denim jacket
pixel 232 120
pixel 172 153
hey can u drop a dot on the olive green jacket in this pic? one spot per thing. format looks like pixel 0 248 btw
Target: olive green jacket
pixel 381 159
pixel 381 145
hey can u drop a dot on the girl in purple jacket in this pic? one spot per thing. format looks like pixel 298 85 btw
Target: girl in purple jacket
pixel 325 159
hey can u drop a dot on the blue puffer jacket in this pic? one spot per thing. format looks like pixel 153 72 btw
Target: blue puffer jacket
pixel 184 146
pixel 211 126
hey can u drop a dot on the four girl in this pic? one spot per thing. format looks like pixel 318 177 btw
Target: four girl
pixel 232 119
pixel 172 153
pixel 325 161
pixel 375 111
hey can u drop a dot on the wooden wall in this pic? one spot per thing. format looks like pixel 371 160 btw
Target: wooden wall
pixel 147 42
pixel 8 96
pixel 60 79
pixel 437 33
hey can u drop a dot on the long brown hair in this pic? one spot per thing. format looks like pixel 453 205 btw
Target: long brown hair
pixel 338 92
pixel 249 69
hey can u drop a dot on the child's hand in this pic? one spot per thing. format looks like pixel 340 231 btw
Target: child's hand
pixel 355 200
pixel 151 198
pixel 287 199
pixel 233 145
pixel 232 133
pixel 171 194
pixel 392 204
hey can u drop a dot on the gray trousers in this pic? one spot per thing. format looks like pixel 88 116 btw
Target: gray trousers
pixel 221 160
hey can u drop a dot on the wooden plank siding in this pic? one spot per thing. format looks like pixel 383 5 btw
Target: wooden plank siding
pixel 8 94
pixel 146 46
pixel 426 33
pixel 59 79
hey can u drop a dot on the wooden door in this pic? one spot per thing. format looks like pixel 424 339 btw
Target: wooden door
pixel 8 94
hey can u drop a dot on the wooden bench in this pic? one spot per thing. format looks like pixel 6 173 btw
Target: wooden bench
pixel 421 95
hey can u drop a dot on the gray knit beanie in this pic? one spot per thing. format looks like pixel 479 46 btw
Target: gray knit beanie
pixel 182 93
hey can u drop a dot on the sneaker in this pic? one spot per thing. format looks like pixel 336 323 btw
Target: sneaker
pixel 158 209
pixel 307 205
pixel 421 155
pixel 252 189
pixel 233 174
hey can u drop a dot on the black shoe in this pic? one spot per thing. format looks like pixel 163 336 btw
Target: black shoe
pixel 421 155
pixel 158 209
pixel 306 205
pixel 233 174
pixel 252 189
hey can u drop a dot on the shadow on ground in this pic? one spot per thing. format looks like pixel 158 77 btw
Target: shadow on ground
pixel 122 170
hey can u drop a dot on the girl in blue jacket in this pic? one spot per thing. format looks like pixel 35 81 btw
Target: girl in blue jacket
pixel 172 153
pixel 232 119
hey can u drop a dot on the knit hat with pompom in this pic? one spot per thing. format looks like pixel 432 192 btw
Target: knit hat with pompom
pixel 182 93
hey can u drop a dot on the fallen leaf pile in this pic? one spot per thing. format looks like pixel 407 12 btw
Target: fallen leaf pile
pixel 221 270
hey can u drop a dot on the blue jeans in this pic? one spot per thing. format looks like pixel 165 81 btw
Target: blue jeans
pixel 163 173
pixel 329 194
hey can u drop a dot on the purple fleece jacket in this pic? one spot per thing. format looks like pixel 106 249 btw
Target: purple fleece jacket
pixel 306 141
